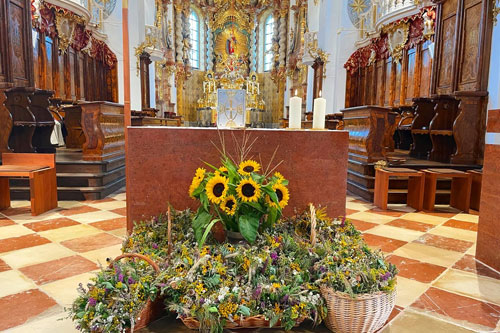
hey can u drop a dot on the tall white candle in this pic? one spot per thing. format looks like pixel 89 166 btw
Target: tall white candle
pixel 294 118
pixel 319 112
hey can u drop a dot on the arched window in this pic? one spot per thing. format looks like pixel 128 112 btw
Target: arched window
pixel 268 42
pixel 194 38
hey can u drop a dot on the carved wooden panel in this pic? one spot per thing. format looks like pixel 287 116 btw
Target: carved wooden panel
pixel 445 81
pixel 380 82
pixel 49 49
pixel 388 83
pixel 71 73
pixel 3 44
pixel 426 71
pixel 411 90
pixel 362 86
pixel 469 59
pixel 20 42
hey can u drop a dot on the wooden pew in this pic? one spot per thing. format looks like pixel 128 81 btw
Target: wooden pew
pixel 39 107
pixel 23 120
pixel 73 122
pixel 404 127
pixel 371 130
pixel 103 127
pixel 441 128
pixel 424 112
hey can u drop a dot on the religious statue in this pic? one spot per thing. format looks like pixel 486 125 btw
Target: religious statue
pixel 231 44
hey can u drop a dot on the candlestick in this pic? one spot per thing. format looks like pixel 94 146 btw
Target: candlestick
pixel 294 119
pixel 319 112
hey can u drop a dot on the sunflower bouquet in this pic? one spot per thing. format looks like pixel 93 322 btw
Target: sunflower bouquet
pixel 240 196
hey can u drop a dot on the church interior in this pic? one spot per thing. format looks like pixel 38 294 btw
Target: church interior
pixel 338 149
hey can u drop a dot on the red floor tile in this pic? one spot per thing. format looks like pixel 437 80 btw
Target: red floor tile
pixel 459 307
pixel 350 211
pixel 383 243
pixel 416 270
pixel 112 224
pixel 461 225
pixel 121 211
pixel 362 225
pixel 413 225
pixel 18 308
pixel 469 264
pixel 444 242
pixel 16 211
pixel 50 224
pixel 89 243
pixel 58 269
pixel 5 222
pixel 389 212
pixel 78 210
pixel 16 243
pixel 3 266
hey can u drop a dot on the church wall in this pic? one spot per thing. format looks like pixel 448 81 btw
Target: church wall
pixel 112 26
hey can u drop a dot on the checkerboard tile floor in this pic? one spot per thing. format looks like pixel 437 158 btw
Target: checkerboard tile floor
pixel 441 287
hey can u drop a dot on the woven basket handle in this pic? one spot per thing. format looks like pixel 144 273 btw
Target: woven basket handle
pixel 136 255
pixel 313 224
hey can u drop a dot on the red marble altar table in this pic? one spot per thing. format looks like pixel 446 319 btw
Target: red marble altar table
pixel 162 162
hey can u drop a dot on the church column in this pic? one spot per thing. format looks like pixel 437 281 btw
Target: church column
pixel 210 49
pixel 253 50
pixel 178 34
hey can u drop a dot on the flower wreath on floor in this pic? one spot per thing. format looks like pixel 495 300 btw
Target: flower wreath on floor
pixel 275 274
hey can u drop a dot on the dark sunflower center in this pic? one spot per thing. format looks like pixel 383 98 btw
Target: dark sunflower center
pixel 279 194
pixel 218 189
pixel 230 204
pixel 248 168
pixel 248 190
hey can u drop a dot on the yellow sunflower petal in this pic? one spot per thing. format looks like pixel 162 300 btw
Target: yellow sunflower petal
pixel 216 188
pixel 229 205
pixel 247 167
pixel 248 190
pixel 282 194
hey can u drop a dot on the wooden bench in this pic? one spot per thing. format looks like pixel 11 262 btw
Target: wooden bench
pixel 41 171
pixel 460 188
pixel 415 195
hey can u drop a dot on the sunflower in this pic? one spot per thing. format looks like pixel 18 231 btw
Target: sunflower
pixel 216 188
pixel 197 179
pixel 282 194
pixel 279 176
pixel 228 205
pixel 248 166
pixel 221 171
pixel 248 190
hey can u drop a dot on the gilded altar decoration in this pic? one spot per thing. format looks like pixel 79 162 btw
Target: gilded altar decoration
pixel 495 11
pixel 65 28
pixel 397 36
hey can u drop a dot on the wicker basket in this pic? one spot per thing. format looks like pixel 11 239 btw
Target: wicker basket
pixel 153 309
pixel 258 321
pixel 365 313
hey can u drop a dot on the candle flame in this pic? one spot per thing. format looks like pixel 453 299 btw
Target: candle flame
pixel 295 92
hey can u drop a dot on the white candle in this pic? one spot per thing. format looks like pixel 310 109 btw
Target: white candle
pixel 294 118
pixel 319 112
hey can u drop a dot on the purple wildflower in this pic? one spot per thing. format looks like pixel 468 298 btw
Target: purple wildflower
pixel 266 263
pixel 386 276
pixel 262 305
pixel 274 256
pixel 92 301
pixel 284 299
pixel 155 246
pixel 161 285
pixel 257 292
pixel 343 222
pixel 131 280
pixel 120 277
pixel 202 301
pixel 322 269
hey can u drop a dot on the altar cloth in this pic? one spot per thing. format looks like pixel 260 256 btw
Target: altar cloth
pixel 162 162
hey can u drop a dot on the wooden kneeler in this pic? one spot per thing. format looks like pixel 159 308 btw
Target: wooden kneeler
pixel 461 183
pixel 415 197
pixel 41 171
